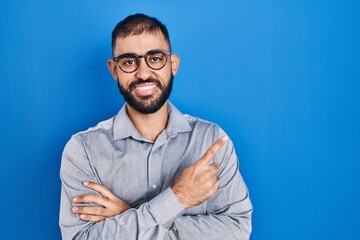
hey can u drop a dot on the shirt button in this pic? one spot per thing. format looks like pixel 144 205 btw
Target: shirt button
pixel 154 186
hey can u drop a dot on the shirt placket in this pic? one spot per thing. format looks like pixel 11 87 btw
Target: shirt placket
pixel 154 172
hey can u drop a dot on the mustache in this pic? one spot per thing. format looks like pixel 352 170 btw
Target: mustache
pixel 133 84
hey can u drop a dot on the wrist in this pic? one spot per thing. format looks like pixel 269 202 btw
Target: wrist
pixel 181 198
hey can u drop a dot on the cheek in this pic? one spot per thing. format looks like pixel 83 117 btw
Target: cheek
pixel 124 80
pixel 165 75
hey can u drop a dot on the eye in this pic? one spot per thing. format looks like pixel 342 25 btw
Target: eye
pixel 155 59
pixel 128 62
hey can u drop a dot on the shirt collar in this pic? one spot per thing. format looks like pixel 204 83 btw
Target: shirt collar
pixel 124 128
pixel 177 122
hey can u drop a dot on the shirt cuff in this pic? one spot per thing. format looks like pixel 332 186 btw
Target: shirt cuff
pixel 165 206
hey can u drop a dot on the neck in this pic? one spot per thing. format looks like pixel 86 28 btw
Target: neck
pixel 149 125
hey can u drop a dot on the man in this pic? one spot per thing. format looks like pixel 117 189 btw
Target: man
pixel 151 172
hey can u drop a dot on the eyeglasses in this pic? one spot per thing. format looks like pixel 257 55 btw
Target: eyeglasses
pixel 130 62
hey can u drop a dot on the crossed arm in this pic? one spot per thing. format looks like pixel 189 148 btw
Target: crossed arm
pixel 195 185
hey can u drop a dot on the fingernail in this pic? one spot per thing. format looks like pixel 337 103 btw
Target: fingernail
pixel 74 199
pixel 226 138
pixel 74 209
pixel 86 183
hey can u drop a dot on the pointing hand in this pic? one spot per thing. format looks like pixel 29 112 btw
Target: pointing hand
pixel 199 181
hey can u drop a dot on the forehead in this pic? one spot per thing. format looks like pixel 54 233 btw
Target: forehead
pixel 140 44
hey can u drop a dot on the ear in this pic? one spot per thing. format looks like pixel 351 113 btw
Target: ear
pixel 112 68
pixel 175 62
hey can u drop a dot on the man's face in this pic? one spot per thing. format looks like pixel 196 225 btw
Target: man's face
pixel 145 90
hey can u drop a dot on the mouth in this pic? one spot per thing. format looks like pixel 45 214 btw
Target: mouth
pixel 145 89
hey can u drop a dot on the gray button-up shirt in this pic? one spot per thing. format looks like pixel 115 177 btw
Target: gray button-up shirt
pixel 140 172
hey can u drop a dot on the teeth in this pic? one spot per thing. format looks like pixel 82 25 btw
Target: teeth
pixel 144 88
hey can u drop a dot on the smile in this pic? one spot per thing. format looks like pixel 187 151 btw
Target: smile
pixel 144 88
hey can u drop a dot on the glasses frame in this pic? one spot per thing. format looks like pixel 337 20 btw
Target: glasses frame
pixel 116 59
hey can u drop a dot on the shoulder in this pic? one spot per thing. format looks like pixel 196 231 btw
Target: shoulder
pixel 101 131
pixel 205 134
pixel 204 127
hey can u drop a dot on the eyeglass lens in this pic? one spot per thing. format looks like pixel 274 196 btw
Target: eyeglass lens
pixel 154 59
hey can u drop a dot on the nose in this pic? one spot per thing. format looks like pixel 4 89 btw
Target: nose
pixel 143 71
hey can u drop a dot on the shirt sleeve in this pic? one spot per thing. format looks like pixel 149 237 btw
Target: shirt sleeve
pixel 151 220
pixel 229 210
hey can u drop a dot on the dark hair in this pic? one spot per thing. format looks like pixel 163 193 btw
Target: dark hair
pixel 137 24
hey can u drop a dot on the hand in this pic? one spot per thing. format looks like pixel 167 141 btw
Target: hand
pixel 109 205
pixel 199 181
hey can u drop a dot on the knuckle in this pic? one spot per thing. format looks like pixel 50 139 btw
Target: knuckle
pixel 78 209
pixel 211 151
pixel 200 178
pixel 216 166
pixel 106 200
pixel 79 198
pixel 215 172
pixel 99 211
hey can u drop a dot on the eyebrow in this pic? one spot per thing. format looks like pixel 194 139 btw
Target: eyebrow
pixel 124 55
pixel 131 54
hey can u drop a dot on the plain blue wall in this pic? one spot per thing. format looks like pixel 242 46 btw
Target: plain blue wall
pixel 281 77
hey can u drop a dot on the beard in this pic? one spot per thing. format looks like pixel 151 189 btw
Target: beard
pixel 147 104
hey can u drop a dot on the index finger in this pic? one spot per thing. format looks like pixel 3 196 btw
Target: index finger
pixel 104 191
pixel 210 153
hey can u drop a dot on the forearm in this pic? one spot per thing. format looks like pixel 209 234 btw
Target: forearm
pixel 211 227
pixel 150 221
pixel 220 221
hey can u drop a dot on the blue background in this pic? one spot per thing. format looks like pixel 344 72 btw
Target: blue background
pixel 281 77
